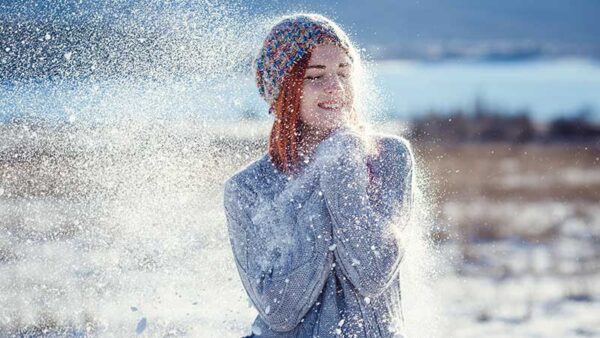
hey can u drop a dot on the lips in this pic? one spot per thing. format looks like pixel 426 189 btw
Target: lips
pixel 330 105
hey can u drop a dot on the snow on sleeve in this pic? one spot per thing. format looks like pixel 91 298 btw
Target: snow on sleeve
pixel 281 295
pixel 367 219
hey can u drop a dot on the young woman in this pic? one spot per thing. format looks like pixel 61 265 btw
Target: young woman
pixel 315 223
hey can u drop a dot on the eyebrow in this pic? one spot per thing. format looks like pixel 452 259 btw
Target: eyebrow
pixel 344 64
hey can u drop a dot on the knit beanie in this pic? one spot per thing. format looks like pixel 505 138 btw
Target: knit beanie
pixel 287 42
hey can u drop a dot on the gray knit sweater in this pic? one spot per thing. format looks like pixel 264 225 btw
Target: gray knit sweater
pixel 319 252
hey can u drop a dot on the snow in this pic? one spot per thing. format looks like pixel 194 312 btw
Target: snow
pixel 112 225
pixel 149 243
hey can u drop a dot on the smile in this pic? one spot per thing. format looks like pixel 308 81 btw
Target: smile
pixel 330 105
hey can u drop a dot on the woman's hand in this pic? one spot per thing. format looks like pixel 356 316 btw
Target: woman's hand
pixel 342 142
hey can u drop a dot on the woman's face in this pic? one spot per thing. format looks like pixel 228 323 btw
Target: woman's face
pixel 327 96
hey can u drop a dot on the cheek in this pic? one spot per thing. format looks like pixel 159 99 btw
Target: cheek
pixel 309 97
pixel 308 105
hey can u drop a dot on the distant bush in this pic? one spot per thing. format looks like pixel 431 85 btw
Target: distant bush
pixel 486 125
pixel 578 128
pixel 461 127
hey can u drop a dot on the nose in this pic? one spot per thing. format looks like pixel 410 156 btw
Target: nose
pixel 334 85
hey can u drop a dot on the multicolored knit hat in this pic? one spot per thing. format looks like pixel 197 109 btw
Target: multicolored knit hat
pixel 290 39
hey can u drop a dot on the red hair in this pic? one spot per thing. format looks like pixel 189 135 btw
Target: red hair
pixel 285 134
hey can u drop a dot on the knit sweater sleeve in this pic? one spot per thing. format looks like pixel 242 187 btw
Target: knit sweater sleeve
pixel 368 213
pixel 282 294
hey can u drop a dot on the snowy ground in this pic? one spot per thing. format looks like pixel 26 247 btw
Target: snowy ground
pixel 120 232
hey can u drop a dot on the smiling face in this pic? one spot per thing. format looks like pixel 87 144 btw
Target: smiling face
pixel 327 95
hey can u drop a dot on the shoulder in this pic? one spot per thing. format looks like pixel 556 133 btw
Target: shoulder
pixel 243 182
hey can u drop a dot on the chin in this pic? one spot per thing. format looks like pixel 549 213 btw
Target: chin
pixel 324 126
pixel 329 127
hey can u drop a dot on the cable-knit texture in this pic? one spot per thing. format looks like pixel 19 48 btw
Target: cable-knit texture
pixel 319 253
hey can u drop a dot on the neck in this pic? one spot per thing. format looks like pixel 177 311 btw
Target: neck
pixel 311 137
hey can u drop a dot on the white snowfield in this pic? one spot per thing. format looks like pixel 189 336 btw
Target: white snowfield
pixel 120 232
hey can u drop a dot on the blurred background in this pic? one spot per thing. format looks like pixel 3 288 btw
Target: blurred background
pixel 120 120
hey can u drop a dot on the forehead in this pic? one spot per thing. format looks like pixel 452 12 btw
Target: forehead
pixel 328 55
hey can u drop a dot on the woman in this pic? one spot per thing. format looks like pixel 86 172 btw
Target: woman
pixel 314 223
